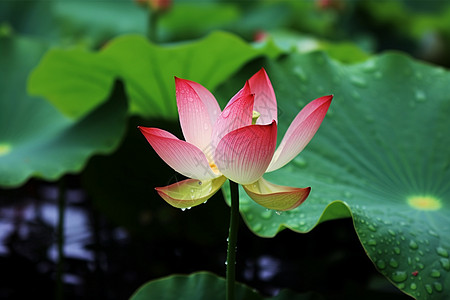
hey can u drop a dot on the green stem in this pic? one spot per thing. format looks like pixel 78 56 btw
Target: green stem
pixel 60 237
pixel 153 16
pixel 232 240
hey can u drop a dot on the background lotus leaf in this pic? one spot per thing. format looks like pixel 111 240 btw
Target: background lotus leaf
pixel 381 157
pixel 204 286
pixel 35 139
pixel 148 71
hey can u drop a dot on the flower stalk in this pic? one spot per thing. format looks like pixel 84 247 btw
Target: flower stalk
pixel 232 241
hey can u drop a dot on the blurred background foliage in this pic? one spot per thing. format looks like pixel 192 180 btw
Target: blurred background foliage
pixel 77 77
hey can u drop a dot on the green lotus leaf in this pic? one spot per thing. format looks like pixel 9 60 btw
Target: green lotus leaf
pixel 77 81
pixel 35 139
pixel 381 156
pixel 203 286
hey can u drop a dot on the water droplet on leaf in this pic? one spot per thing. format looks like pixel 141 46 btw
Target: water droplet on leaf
pixel 399 276
pixel 435 273
pixel 442 252
pixel 393 263
pixel 413 245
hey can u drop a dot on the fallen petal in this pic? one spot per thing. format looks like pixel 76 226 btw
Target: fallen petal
pixel 181 156
pixel 300 132
pixel 244 154
pixel 190 192
pixel 276 197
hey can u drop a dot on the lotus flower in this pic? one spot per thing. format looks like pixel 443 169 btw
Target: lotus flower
pixel 237 143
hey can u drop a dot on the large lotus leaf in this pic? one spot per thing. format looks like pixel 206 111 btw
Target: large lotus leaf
pixel 381 156
pixel 35 139
pixel 204 286
pixel 147 69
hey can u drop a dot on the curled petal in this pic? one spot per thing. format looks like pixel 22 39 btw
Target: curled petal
pixel 265 101
pixel 190 192
pixel 198 111
pixel 181 156
pixel 244 154
pixel 300 132
pixel 238 113
pixel 276 197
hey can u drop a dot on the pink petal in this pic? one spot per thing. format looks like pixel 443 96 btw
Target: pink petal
pixel 276 197
pixel 181 156
pixel 265 101
pixel 190 192
pixel 238 113
pixel 198 111
pixel 244 154
pixel 300 132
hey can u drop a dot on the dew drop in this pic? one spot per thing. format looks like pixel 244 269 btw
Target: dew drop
pixel 428 289
pixel 442 252
pixel 300 162
pixel 372 242
pixel 421 266
pixel 358 81
pixel 267 214
pixel 183 209
pixel 300 73
pixel 369 66
pixel 420 95
pixel 413 286
pixel 396 250
pixel 413 245
pixel 435 273
pixel 393 263
pixel 372 228
pixel 445 263
pixel 279 212
pixel 399 276
pixel 381 264
pixel 200 183
pixel 226 113
pixel 438 286
pixel 391 232
pixel 257 227
pixel 250 217
pixel 433 233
